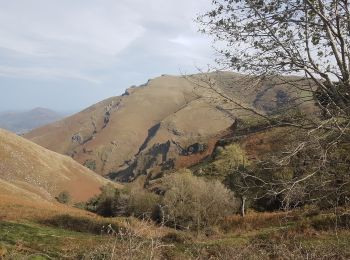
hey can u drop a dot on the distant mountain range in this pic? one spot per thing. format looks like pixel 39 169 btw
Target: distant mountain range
pixel 23 121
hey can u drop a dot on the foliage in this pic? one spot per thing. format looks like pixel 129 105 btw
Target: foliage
pixel 191 202
pixel 280 37
pixel 91 164
pixel 130 201
pixel 102 204
pixel 142 203
pixel 80 223
pixel 64 197
pixel 177 237
pixel 226 159
pixel 267 39
pixel 296 180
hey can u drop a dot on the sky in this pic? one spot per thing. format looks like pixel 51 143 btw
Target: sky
pixel 69 54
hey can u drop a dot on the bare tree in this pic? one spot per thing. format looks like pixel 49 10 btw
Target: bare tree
pixel 306 38
pixel 287 37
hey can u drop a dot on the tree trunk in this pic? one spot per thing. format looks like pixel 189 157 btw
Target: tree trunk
pixel 243 198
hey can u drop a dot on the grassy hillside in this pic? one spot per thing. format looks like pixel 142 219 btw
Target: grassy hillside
pixel 168 123
pixel 31 171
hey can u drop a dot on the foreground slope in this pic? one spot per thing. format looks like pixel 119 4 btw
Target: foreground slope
pixel 170 122
pixel 31 171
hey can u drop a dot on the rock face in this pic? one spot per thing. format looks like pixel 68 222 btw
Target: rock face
pixel 31 171
pixel 170 122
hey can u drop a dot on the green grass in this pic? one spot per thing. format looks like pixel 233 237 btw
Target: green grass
pixel 38 240
pixel 81 224
pixel 298 236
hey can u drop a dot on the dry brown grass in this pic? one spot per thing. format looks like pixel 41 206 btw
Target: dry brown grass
pixel 19 209
pixel 27 169
pixel 258 220
pixel 16 209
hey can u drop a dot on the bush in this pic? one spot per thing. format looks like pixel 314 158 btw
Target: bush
pixel 91 164
pixel 191 202
pixel 103 203
pixel 142 203
pixel 134 201
pixel 79 224
pixel 64 197
pixel 226 159
pixel 177 237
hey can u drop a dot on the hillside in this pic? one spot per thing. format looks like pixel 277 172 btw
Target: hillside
pixel 170 122
pixel 21 122
pixel 30 171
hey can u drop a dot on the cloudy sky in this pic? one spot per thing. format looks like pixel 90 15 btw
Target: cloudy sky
pixel 68 54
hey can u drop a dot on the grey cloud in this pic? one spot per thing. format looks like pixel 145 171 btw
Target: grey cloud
pixel 107 43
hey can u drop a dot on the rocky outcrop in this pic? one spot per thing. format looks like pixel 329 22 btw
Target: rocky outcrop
pixel 151 160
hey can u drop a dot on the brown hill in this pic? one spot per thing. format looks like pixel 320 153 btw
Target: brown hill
pixel 170 122
pixel 31 171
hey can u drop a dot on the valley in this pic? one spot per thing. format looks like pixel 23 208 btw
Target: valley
pixel 108 181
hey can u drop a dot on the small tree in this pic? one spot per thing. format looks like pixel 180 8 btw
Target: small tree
pixel 103 204
pixel 192 202
pixel 64 197
pixel 130 201
pixel 142 203
pixel 106 200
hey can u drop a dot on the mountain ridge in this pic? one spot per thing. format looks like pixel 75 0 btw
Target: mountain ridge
pixel 23 121
pixel 169 122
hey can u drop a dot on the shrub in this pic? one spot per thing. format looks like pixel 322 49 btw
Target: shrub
pixel 134 201
pixel 102 204
pixel 191 202
pixel 324 221
pixel 141 203
pixel 64 197
pixel 106 199
pixel 91 164
pixel 177 237
pixel 79 224
pixel 225 161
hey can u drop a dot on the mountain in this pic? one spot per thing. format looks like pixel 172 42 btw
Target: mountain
pixel 168 123
pixel 31 171
pixel 21 122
